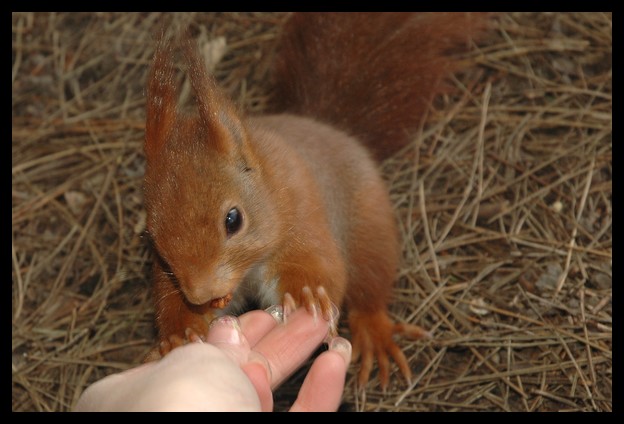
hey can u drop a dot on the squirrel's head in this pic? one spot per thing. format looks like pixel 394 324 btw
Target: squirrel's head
pixel 208 209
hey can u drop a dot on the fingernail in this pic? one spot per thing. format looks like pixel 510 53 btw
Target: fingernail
pixel 192 336
pixel 334 315
pixel 289 306
pixel 277 312
pixel 341 346
pixel 310 303
pixel 226 329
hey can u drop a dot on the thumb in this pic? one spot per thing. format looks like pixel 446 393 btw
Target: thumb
pixel 226 334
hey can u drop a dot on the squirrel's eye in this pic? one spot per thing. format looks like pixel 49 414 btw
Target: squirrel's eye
pixel 233 221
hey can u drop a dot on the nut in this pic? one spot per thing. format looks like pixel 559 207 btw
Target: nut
pixel 221 302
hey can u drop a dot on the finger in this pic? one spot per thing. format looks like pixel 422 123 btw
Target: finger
pixel 322 388
pixel 257 374
pixel 289 345
pixel 247 329
pixel 256 324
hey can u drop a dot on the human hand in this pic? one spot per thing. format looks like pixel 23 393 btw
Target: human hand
pixel 237 368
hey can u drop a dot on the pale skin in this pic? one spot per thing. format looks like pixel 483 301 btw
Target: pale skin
pixel 242 361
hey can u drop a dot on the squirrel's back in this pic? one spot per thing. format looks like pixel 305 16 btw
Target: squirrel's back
pixel 369 74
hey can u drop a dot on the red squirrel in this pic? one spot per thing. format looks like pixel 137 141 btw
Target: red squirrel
pixel 292 205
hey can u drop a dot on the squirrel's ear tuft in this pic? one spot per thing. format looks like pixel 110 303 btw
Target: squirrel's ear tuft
pixel 218 123
pixel 218 115
pixel 161 98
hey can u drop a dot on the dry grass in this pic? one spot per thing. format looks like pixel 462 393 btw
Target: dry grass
pixel 504 199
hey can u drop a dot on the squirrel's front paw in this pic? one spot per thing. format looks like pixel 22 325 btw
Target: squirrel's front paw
pixel 173 340
pixel 316 302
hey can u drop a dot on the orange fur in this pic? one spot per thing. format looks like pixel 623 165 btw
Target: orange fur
pixel 315 211
pixel 370 74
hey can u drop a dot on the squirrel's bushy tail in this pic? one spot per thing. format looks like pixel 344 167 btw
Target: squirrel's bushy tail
pixel 370 74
